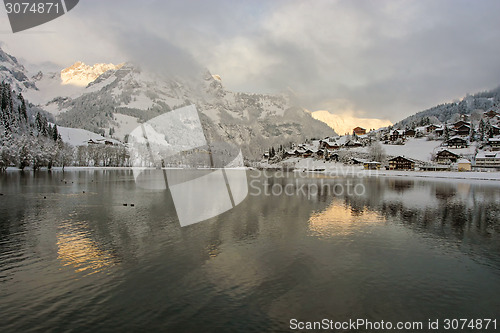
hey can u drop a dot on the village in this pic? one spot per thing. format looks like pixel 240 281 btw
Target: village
pixel 464 145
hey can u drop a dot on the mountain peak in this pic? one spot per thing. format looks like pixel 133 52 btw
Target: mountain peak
pixel 80 74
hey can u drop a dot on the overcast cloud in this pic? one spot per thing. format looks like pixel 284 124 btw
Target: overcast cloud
pixel 380 59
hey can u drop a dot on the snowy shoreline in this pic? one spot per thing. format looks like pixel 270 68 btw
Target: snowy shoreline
pixel 336 169
pixel 327 169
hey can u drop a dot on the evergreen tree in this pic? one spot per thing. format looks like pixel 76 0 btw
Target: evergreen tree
pixel 55 133
pixel 446 132
pixel 482 129
pixel 472 134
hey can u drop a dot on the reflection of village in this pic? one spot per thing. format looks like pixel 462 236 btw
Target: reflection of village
pixel 442 208
pixel 464 145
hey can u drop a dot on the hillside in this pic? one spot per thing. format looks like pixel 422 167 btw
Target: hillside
pixel 449 112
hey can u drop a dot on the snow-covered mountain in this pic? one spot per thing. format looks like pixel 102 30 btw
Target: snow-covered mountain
pixel 14 73
pixel 80 74
pixel 346 123
pixel 107 98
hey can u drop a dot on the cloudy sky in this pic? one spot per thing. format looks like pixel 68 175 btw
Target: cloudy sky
pixel 376 59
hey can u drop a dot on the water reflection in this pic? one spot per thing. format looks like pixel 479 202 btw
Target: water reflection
pixel 341 220
pixel 77 249
pixel 383 254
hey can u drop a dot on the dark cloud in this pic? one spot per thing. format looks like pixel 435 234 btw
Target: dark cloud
pixel 387 59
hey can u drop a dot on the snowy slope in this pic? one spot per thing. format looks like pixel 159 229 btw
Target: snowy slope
pixel 79 137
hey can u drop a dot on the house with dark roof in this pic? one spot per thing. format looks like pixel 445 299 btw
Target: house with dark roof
pixel 359 131
pixel 460 123
pixel 495 130
pixel 457 142
pixel 431 128
pixel 491 114
pixel 410 133
pixel 462 130
pixel 446 157
pixel 401 163
pixel 396 135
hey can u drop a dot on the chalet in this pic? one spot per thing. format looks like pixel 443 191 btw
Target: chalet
pixel 332 157
pixel 353 144
pixel 457 142
pixel 401 163
pixel 446 157
pixel 92 142
pixel 488 159
pixel 396 135
pixel 464 165
pixel 462 130
pixel 330 145
pixel 359 131
pixel 460 123
pixel 410 133
pixel 290 153
pixel 439 131
pixel 491 114
pixel 299 152
pixel 494 130
pixel 372 165
pixel 308 153
pixel 431 128
pixel 356 161
pixel 494 143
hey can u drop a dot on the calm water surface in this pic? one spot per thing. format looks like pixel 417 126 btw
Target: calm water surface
pixel 403 250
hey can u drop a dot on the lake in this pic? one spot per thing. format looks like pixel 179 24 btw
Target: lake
pixel 73 258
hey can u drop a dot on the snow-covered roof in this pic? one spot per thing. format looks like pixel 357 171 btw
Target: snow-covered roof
pixel 462 161
pixel 488 154
pixel 456 137
pixel 421 129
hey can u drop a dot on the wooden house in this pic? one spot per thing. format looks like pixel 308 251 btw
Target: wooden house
pixel 446 157
pixel 410 133
pixel 460 123
pixel 457 142
pixel 401 163
pixel 330 145
pixel 359 131
pixel 491 114
pixel 372 165
pixel 462 130
pixel 396 135
pixel 495 130
pixel 431 128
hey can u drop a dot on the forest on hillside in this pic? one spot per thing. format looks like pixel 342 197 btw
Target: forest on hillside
pixel 28 139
